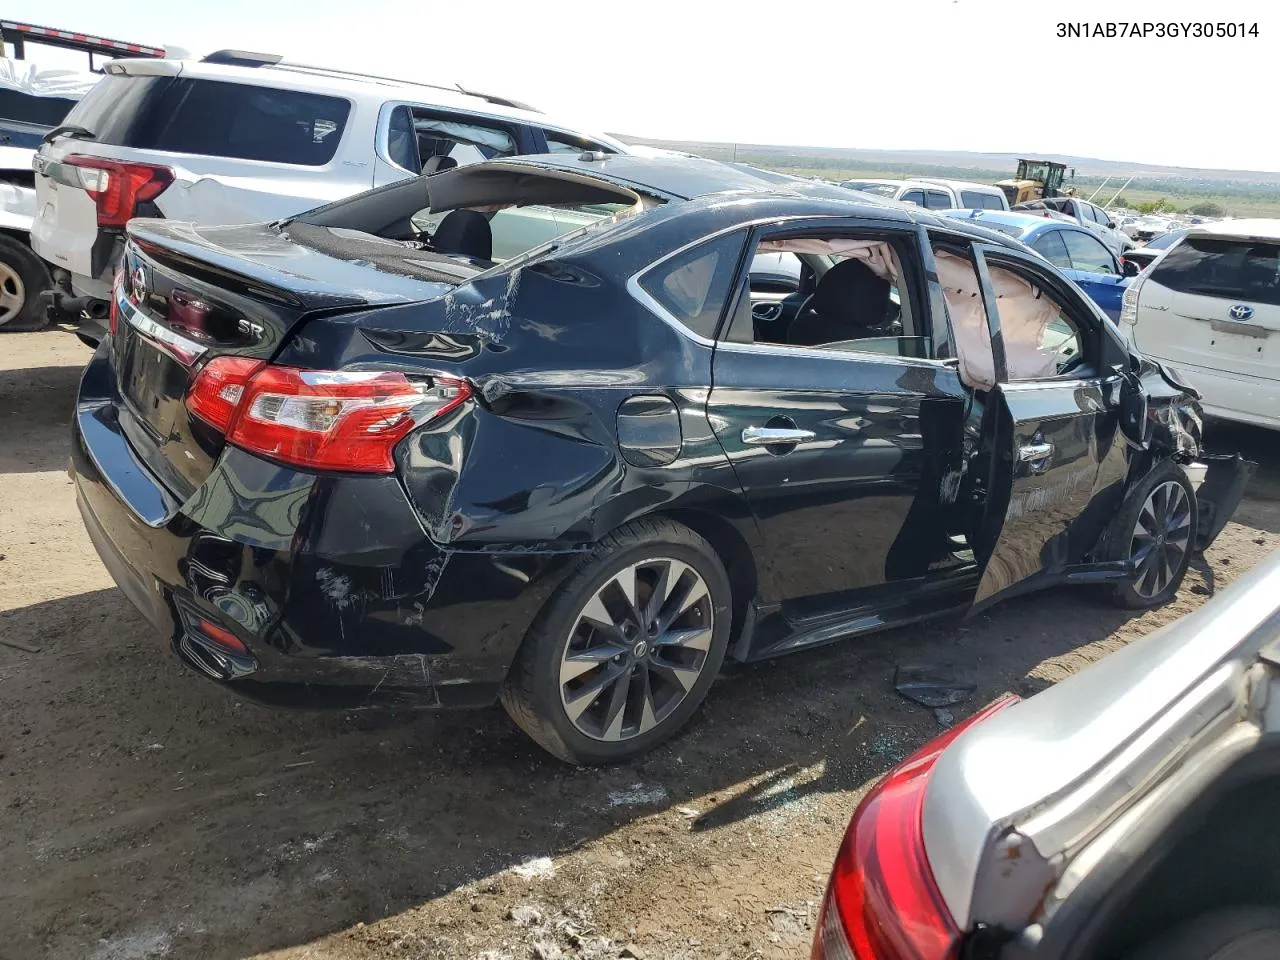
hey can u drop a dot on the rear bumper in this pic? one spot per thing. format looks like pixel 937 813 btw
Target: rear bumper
pixel 322 608
pixel 1233 396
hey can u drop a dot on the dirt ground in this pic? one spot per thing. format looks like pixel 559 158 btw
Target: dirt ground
pixel 147 814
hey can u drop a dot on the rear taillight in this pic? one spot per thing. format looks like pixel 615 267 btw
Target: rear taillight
pixel 1129 303
pixel 882 902
pixel 215 395
pixel 118 187
pixel 319 419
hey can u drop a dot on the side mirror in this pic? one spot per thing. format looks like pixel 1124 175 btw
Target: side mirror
pixel 1111 224
pixel 1130 269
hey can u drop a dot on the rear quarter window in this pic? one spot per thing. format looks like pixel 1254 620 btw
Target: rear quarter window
pixel 117 108
pixel 1228 269
pixel 695 285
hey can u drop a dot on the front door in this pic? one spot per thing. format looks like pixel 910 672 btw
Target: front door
pixel 1057 464
pixel 837 420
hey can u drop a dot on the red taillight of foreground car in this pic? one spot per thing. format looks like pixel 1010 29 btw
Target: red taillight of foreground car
pixel 319 419
pixel 118 187
pixel 882 902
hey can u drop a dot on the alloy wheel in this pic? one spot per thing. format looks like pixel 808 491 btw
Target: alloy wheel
pixel 1161 538
pixel 13 293
pixel 636 649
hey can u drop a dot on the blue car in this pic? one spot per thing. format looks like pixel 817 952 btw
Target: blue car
pixel 1075 251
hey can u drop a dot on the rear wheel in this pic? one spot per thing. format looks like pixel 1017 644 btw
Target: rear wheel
pixel 625 651
pixel 1155 530
pixel 23 277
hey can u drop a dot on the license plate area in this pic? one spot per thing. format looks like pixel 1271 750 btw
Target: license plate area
pixel 152 383
pixel 1241 341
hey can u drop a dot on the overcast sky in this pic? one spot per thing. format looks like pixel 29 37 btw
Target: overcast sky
pixel 985 75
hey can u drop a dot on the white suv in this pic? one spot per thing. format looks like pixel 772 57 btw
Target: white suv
pixel 239 137
pixel 1210 306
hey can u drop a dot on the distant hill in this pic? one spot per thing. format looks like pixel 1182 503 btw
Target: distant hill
pixel 979 165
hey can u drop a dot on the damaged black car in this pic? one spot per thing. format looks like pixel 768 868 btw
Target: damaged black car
pixel 535 430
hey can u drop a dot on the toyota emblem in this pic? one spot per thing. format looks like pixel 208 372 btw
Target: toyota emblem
pixel 1240 312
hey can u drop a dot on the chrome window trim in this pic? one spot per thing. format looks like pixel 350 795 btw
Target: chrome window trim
pixel 782 350
pixel 182 349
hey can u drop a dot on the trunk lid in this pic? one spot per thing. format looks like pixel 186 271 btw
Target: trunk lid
pixel 187 294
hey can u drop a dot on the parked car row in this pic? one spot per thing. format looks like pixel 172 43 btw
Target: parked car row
pixel 1087 215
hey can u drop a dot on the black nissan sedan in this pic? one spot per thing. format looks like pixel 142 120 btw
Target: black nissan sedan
pixel 526 430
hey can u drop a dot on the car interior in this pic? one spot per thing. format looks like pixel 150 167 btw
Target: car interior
pixel 423 142
pixel 463 220
pixel 849 297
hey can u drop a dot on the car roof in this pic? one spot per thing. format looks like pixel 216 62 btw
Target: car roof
pixel 1254 229
pixel 963 184
pixel 360 87
pixel 1029 223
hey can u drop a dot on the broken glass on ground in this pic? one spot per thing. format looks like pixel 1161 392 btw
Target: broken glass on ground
pixel 932 687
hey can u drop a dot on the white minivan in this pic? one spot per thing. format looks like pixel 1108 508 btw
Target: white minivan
pixel 1210 306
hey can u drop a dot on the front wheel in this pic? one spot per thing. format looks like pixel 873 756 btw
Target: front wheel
pixel 1155 530
pixel 626 649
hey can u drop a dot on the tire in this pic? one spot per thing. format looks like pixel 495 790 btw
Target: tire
pixel 1171 538
pixel 23 277
pixel 559 689
pixel 1234 933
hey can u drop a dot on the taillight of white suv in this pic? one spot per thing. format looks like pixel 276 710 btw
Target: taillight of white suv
pixel 117 188
pixel 1129 305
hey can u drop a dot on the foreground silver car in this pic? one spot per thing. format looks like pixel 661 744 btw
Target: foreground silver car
pixel 1126 813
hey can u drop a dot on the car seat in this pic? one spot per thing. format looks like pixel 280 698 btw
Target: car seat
pixel 850 302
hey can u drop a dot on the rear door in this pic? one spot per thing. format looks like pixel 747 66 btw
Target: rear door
pixel 1214 303
pixel 839 445
pixel 1056 468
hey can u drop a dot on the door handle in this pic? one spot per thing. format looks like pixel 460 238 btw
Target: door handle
pixel 1031 452
pixel 768 436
